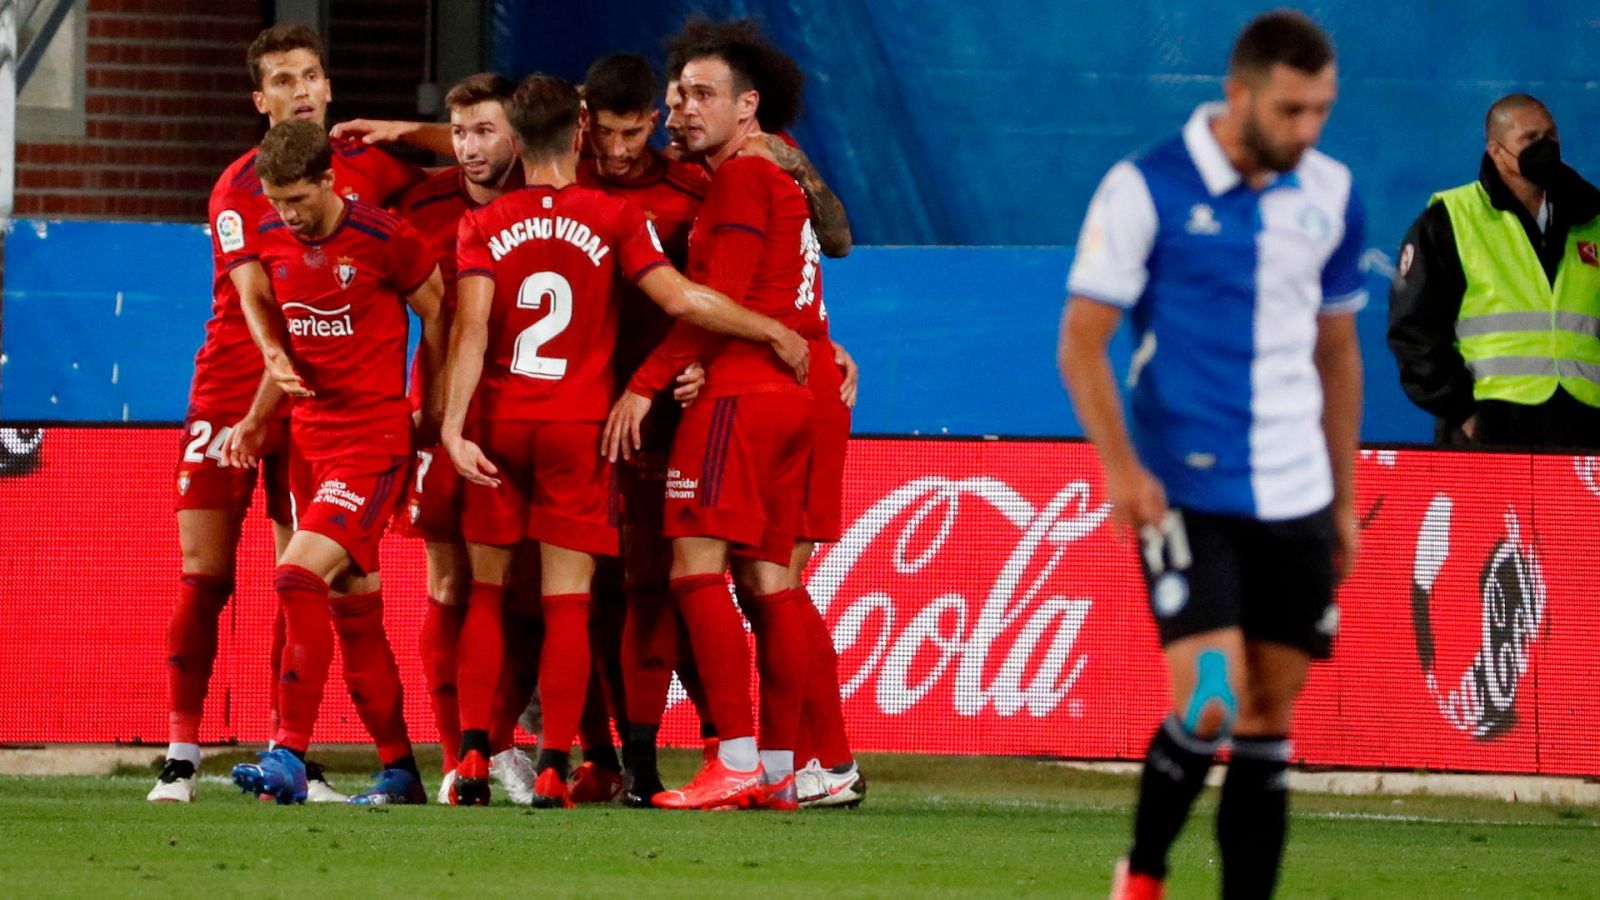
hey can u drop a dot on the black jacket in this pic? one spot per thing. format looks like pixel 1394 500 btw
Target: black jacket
pixel 1425 296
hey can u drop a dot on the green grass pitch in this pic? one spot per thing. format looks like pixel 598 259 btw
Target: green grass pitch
pixel 932 827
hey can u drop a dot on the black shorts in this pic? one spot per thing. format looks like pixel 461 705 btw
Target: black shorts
pixel 1271 580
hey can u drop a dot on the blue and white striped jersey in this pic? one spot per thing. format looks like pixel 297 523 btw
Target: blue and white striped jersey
pixel 1223 285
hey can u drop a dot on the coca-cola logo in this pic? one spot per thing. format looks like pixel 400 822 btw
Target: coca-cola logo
pixel 986 648
pixel 1482 701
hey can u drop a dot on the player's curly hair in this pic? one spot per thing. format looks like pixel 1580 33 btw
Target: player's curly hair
pixel 621 83
pixel 294 150
pixel 544 114
pixel 757 64
pixel 282 38
pixel 480 88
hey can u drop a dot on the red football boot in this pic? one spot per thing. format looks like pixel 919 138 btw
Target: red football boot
pixel 550 791
pixel 1127 885
pixel 716 786
pixel 471 785
pixel 781 796
pixel 592 784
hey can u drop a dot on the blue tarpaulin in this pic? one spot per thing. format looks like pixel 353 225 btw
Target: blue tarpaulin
pixel 102 321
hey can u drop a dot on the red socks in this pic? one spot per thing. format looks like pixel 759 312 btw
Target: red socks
pixel 720 650
pixel 482 656
pixel 822 731
pixel 307 653
pixel 782 646
pixel 649 647
pixel 370 672
pixel 191 651
pixel 523 624
pixel 564 668
pixel 441 635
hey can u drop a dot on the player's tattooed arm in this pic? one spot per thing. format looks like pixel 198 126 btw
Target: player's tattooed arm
pixel 469 339
pixel 828 217
pixel 433 136
pixel 261 313
pixel 427 302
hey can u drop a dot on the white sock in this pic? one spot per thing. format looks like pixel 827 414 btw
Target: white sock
pixel 189 753
pixel 778 763
pixel 739 754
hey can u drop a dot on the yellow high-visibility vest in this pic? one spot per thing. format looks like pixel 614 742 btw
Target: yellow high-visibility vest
pixel 1521 336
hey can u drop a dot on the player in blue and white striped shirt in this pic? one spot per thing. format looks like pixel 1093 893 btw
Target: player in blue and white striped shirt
pixel 1232 248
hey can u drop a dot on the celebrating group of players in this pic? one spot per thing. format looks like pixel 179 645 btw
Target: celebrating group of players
pixel 590 439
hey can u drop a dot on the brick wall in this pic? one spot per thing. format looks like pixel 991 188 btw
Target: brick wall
pixel 376 48
pixel 167 107
pixel 168 101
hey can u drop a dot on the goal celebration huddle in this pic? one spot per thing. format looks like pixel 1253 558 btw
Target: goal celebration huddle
pixel 625 392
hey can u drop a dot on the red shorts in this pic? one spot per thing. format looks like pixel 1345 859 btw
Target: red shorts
pixel 738 473
pixel 822 517
pixel 202 482
pixel 432 510
pixel 555 488
pixel 349 498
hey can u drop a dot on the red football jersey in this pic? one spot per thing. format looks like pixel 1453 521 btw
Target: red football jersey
pixel 558 259
pixel 752 241
pixel 343 301
pixel 434 207
pixel 670 195
pixel 228 366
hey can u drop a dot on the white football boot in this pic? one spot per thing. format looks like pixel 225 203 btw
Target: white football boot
pixel 818 787
pixel 444 787
pixel 177 783
pixel 318 790
pixel 514 772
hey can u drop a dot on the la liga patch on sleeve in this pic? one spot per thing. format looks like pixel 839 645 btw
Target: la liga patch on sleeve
pixel 230 231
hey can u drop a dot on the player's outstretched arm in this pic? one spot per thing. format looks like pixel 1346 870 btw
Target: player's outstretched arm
pixel 1086 330
pixel 248 436
pixel 828 217
pixel 713 311
pixel 469 338
pixel 261 313
pixel 433 136
pixel 1338 359
pixel 427 302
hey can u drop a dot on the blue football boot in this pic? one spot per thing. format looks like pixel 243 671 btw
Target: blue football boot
pixel 391 787
pixel 280 775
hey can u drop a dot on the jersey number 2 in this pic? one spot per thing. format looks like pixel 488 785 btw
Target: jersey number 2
pixel 537 290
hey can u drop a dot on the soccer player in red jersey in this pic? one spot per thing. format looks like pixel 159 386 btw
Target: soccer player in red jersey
pixel 288 82
pixel 486 153
pixel 332 331
pixel 736 477
pixel 619 97
pixel 536 325
pixel 831 776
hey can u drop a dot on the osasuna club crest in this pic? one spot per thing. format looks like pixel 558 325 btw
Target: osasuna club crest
pixel 345 271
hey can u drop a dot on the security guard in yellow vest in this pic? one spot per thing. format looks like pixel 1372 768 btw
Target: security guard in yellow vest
pixel 1494 311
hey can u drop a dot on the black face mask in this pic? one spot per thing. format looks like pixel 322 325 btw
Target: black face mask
pixel 1540 162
